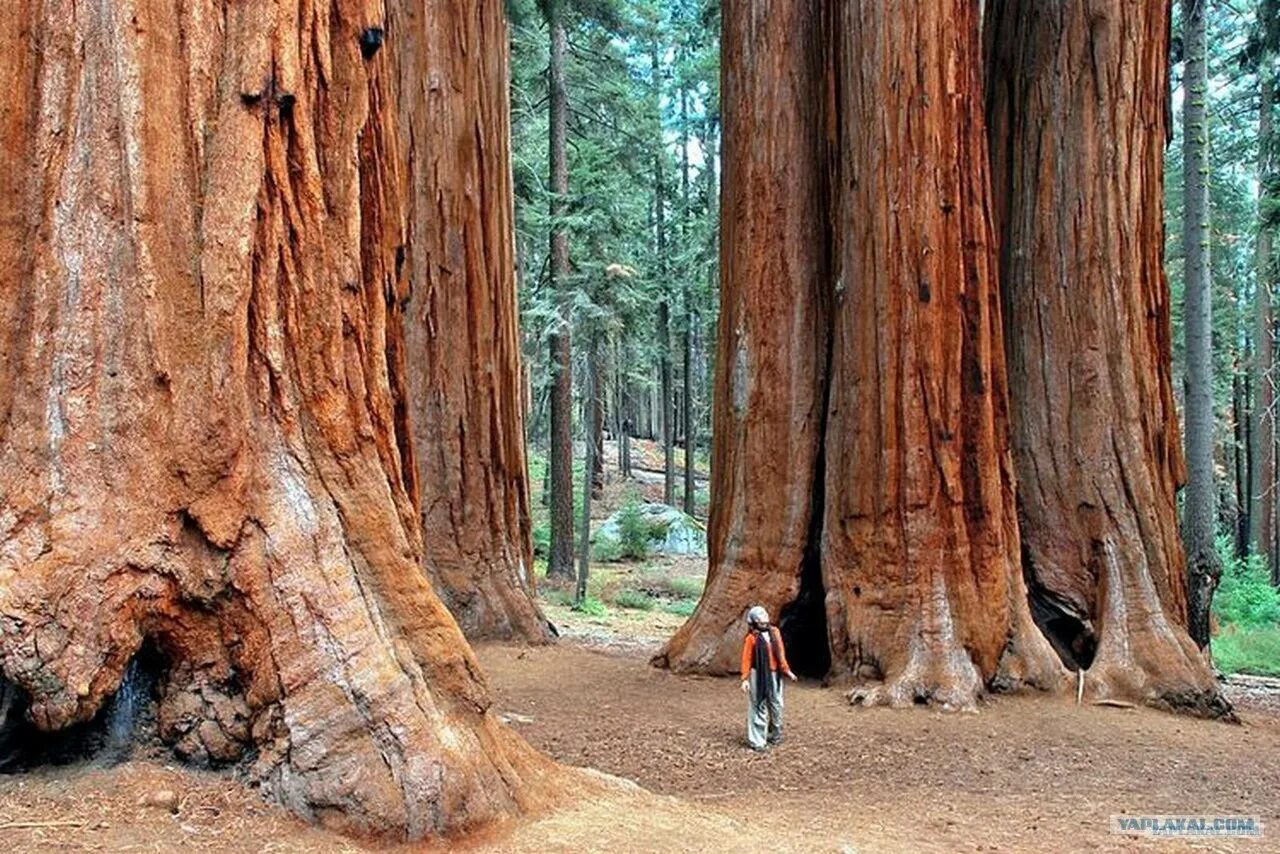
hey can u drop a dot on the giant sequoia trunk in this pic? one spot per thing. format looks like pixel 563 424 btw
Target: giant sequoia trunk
pixel 202 376
pixel 461 344
pixel 768 406
pixel 1077 122
pixel 875 509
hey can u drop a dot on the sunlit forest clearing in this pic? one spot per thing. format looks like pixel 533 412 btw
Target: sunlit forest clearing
pixel 639 425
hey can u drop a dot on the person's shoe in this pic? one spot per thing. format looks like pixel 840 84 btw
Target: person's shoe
pixel 754 749
pixel 775 739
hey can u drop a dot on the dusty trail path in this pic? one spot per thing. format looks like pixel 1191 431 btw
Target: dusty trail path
pixel 1025 774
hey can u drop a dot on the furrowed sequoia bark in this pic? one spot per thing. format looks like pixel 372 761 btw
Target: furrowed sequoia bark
pixel 461 342
pixel 203 376
pixel 767 409
pixel 920 538
pixel 885 534
pixel 1077 121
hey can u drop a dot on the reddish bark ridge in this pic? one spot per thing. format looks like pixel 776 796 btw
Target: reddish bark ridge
pixel 1077 123
pixel 204 437
pixel 864 485
pixel 461 340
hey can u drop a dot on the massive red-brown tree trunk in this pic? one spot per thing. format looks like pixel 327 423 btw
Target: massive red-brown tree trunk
pixel 202 372
pixel 877 517
pixel 1077 118
pixel 462 348
pixel 920 538
pixel 772 345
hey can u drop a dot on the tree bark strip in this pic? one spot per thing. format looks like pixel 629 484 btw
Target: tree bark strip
pixel 560 562
pixel 461 339
pixel 1077 123
pixel 1199 515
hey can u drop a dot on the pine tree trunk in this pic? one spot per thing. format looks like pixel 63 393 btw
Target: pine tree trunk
pixel 1077 123
pixel 1263 428
pixel 1198 509
pixel 461 338
pixel 1240 423
pixel 560 562
pixel 687 293
pixel 667 404
pixel 596 421
pixel 205 440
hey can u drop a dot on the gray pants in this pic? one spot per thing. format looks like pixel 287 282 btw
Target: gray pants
pixel 764 716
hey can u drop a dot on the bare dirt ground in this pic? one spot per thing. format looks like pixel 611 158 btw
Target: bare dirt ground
pixel 1023 774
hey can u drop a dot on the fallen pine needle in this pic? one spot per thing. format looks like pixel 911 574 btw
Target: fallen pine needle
pixel 1119 704
pixel 27 825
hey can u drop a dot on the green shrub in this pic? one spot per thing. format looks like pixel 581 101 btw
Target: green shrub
pixel 592 607
pixel 606 550
pixel 1256 651
pixel 636 600
pixel 684 587
pixel 542 538
pixel 681 608
pixel 633 530
pixel 1245 597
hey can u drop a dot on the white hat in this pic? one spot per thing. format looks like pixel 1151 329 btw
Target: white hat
pixel 757 614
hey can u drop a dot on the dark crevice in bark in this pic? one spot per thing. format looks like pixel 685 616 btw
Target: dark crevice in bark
pixel 803 621
pixel 1071 637
pixel 126 721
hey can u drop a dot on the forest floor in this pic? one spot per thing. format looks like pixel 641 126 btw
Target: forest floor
pixel 1023 774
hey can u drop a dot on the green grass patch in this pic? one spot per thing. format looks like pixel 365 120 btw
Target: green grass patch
pixel 1245 650
pixel 685 587
pixel 681 607
pixel 635 600
pixel 1245 597
pixel 592 607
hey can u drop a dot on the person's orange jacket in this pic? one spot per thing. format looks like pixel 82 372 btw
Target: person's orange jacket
pixel 777 652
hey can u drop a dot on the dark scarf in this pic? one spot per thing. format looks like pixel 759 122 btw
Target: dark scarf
pixel 765 688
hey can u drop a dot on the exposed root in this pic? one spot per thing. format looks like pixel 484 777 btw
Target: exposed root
pixel 1143 656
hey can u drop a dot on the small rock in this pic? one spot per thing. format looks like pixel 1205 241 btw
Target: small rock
pixel 165 799
pixel 514 718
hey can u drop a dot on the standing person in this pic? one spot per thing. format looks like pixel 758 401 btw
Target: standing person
pixel 763 656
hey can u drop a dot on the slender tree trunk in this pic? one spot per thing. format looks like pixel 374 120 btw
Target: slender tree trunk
pixel 595 410
pixel 1262 443
pixel 203 383
pixel 584 536
pixel 561 453
pixel 1095 439
pixel 461 337
pixel 1198 508
pixel 668 406
pixel 666 394
pixel 690 490
pixel 1241 418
